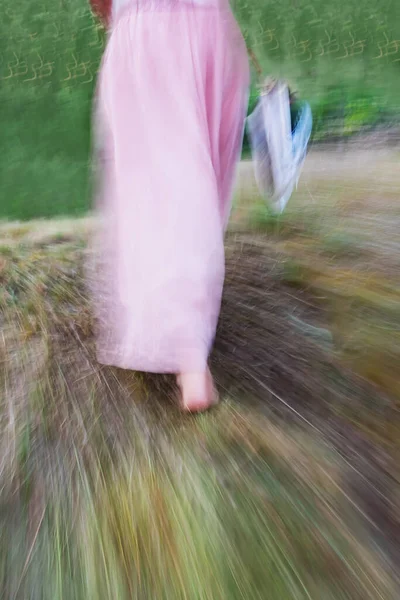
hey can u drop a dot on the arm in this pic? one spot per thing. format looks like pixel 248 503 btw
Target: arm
pixel 102 9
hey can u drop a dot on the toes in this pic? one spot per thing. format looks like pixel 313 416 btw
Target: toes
pixel 197 405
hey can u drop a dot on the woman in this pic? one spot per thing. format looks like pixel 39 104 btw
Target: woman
pixel 170 111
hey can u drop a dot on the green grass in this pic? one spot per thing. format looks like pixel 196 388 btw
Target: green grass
pixel 45 155
pixel 107 491
pixel 106 498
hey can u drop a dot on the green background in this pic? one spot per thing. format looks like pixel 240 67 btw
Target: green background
pixel 344 57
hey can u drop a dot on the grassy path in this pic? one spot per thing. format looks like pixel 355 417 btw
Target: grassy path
pixel 289 489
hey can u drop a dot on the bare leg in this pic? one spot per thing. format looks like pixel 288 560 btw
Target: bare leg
pixel 198 391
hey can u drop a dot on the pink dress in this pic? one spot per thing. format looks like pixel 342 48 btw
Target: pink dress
pixel 170 112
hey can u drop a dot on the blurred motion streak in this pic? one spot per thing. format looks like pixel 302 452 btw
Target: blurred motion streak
pixel 290 488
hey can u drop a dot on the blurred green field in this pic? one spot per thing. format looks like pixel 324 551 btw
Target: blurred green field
pixel 343 57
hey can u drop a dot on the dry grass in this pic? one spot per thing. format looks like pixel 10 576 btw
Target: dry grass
pixel 289 489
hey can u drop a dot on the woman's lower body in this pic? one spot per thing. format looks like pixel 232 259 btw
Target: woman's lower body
pixel 170 111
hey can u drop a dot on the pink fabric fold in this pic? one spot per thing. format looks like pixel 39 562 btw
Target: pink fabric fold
pixel 170 111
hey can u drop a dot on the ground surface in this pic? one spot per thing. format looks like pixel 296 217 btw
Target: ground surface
pixel 289 489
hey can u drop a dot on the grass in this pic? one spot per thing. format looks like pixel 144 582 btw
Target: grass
pixel 289 489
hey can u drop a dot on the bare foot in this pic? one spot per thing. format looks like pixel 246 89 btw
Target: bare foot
pixel 198 391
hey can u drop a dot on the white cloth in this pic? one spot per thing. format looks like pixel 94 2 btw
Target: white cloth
pixel 278 153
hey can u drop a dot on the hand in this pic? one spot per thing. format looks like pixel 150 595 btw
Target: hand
pixel 102 9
